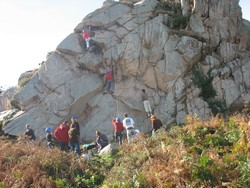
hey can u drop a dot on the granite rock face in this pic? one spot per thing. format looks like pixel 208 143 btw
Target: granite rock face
pixel 146 53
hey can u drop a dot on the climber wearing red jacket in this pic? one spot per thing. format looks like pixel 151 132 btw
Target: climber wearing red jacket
pixel 118 128
pixel 86 37
pixel 109 84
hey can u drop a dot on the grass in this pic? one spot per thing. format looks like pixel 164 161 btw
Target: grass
pixel 212 153
pixel 200 154
pixel 34 165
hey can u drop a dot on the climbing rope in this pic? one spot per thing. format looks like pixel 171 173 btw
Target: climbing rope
pixel 115 80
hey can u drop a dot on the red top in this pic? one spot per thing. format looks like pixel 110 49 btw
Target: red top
pixel 118 126
pixel 86 35
pixel 61 133
pixel 109 75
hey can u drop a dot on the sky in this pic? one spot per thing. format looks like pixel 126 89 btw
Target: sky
pixel 29 29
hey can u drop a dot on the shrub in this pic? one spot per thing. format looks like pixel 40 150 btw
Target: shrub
pixel 208 93
pixel 14 104
pixel 180 21
pixel 212 153
pixel 244 173
pixel 9 116
pixel 217 106
pixel 167 7
pixel 49 54
pixel 24 81
pixel 204 83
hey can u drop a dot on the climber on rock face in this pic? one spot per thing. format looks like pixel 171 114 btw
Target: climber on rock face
pixel 86 37
pixel 109 84
pixel 146 103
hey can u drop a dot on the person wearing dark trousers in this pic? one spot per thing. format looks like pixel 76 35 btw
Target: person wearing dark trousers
pixel 118 129
pixel 74 135
pixel 101 140
pixel 62 136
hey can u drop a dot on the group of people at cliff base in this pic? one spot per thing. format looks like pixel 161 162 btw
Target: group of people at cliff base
pixel 69 136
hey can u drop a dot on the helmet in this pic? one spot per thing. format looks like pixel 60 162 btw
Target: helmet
pixel 73 117
pixel 48 130
pixel 118 119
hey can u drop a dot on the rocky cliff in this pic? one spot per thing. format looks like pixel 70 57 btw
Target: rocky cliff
pixel 192 57
pixel 5 96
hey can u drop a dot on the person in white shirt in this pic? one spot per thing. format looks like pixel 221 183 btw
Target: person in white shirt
pixel 128 124
pixel 146 103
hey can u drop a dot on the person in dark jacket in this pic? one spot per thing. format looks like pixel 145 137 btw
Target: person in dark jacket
pixel 118 129
pixel 49 137
pixel 156 124
pixel 62 136
pixel 101 140
pixel 29 133
pixel 74 135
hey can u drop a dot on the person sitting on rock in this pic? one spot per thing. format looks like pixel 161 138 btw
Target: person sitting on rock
pixel 109 80
pixel 101 140
pixel 29 133
pixel 146 103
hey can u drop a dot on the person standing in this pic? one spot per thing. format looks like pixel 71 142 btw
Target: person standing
pixel 118 129
pixel 101 140
pixel 29 133
pixel 49 137
pixel 156 124
pixel 128 124
pixel 146 103
pixel 62 136
pixel 74 135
